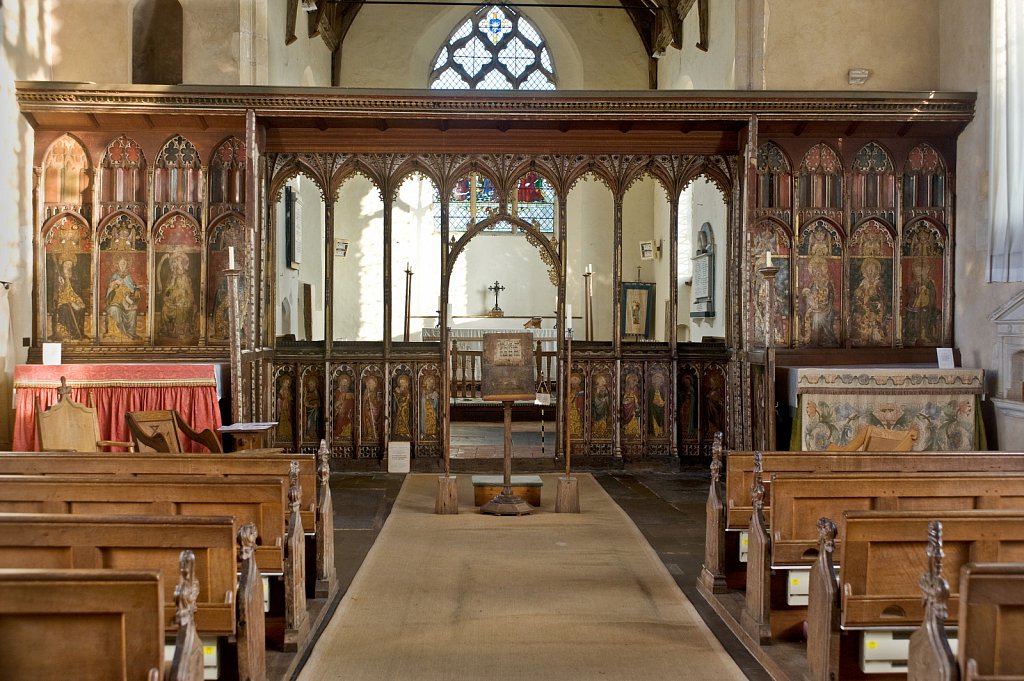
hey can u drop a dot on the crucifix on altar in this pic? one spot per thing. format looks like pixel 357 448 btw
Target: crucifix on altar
pixel 496 311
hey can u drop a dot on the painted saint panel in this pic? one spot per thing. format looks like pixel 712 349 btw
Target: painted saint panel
pixel 923 281
pixel 819 277
pixel 284 405
pixel 871 285
pixel 227 233
pixel 401 403
pixel 68 246
pixel 771 237
pixel 632 402
pixel 429 404
pixel 177 273
pixel 124 281
pixel 312 405
pixel 343 403
pixel 602 401
pixel 371 407
pixel 577 402
pixel 689 409
pixel 712 388
pixel 659 397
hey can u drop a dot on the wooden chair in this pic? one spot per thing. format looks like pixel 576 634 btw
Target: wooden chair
pixel 68 426
pixel 876 439
pixel 158 431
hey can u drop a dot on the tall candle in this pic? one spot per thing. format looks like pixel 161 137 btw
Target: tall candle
pixel 590 269
pixel 231 257
pixel 568 316
pixel 767 258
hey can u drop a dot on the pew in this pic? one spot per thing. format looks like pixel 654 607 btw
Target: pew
pixel 266 463
pixel 225 607
pixel 882 556
pixel 989 635
pixel 314 505
pixel 729 506
pixel 71 624
pixel 261 501
pixel 797 500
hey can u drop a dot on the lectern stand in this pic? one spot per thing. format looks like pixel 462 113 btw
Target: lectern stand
pixel 507 503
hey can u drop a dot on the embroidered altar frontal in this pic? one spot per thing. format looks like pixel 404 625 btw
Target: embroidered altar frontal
pixel 942 405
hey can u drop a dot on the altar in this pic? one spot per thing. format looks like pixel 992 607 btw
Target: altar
pixel 942 405
pixel 115 389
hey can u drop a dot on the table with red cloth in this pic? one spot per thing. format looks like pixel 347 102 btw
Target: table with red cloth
pixel 115 389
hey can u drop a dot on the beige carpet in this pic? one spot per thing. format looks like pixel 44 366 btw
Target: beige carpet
pixel 563 597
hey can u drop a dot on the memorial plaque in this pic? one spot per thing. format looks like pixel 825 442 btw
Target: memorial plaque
pixel 507 367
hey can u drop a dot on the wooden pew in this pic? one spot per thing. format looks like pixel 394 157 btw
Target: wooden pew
pixel 990 637
pixel 729 506
pixel 258 500
pixel 71 624
pixel 882 556
pixel 266 463
pixel 224 607
pixel 798 500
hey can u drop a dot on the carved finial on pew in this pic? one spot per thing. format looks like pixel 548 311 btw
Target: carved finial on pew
pixel 187 663
pixel 826 536
pixel 757 489
pixel 934 588
pixel 716 457
pixel 251 631
pixel 323 466
pixel 186 594
pixel 931 658
pixel 294 490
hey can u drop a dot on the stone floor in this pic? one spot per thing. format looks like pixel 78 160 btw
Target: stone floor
pixel 668 507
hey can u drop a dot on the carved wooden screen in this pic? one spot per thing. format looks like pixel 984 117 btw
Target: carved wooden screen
pixel 403 406
pixel 122 180
pixel 311 407
pixel 343 404
pixel 774 179
pixel 228 232
pixel 820 180
pixel 924 182
pixel 177 179
pixel 819 276
pixel 871 285
pixel 227 178
pixel 177 276
pixel 873 185
pixel 67 244
pixel 123 293
pixel 66 179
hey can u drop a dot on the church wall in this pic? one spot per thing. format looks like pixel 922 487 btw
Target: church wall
pixel 590 49
pixel 709 206
pixel 812 44
pixel 965 29
pixel 23 55
pixel 638 208
pixel 306 62
pixel 689 68
pixel 590 210
pixel 212 49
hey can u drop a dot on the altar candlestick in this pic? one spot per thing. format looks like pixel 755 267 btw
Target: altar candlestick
pixel 231 257
pixel 568 316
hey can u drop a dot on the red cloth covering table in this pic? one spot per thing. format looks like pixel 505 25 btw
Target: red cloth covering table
pixel 115 389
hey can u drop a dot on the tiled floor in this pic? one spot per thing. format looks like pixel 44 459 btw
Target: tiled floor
pixel 667 507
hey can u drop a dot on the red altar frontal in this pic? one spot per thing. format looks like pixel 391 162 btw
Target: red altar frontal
pixel 191 389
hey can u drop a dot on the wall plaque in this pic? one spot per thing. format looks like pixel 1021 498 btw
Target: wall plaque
pixel 507 367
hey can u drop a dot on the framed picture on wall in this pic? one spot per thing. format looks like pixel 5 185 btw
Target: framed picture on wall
pixel 637 313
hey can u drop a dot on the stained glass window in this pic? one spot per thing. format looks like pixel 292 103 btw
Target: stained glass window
pixel 494 48
pixel 475 198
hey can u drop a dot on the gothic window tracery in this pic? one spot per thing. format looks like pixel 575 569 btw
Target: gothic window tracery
pixel 821 178
pixel 494 48
pixel 123 178
pixel 66 178
pixel 775 178
pixel 924 179
pixel 177 178
pixel 874 183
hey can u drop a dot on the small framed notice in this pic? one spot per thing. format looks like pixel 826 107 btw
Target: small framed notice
pixel 51 353
pixel 398 457
pixel 507 367
pixel 945 357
